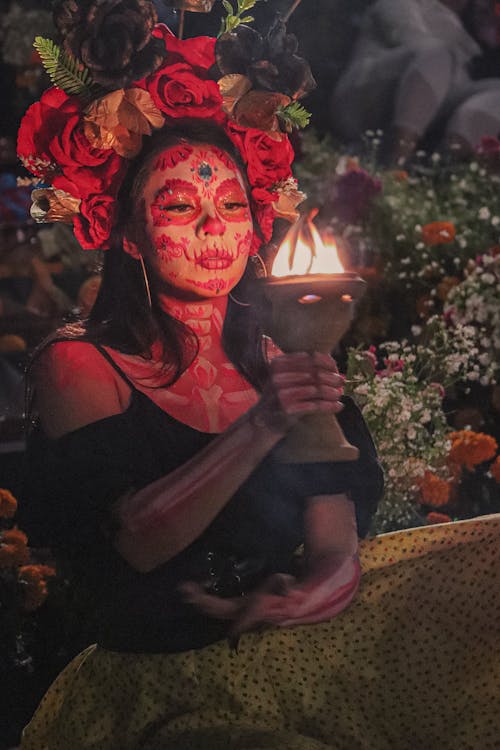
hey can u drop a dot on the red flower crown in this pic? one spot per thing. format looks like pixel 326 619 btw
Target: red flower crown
pixel 83 150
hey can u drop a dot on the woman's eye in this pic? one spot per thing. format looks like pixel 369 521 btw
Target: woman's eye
pixel 180 208
pixel 234 205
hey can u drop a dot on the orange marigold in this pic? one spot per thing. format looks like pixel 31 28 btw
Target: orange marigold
pixel 33 578
pixel 469 448
pixel 400 175
pixel 434 490
pixel 434 517
pixel 495 469
pixel 8 504
pixel 13 548
pixel 438 233
pixel 445 286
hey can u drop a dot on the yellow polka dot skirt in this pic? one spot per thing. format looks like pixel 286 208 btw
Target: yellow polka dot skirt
pixel 413 664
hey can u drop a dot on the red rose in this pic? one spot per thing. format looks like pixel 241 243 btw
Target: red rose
pixel 93 225
pixel 261 195
pixel 179 92
pixel 52 145
pixel 268 158
pixel 198 52
pixel 264 215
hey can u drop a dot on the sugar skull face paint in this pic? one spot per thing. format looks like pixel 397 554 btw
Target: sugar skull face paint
pixel 198 221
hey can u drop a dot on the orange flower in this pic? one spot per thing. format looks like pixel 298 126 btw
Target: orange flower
pixel 119 120
pixel 399 175
pixel 434 490
pixel 8 504
pixel 13 548
pixel 438 232
pixel 434 517
pixel 470 448
pixel 423 306
pixel 446 285
pixel 33 578
pixel 495 469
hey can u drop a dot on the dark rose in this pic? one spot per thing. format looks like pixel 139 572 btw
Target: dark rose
pixel 355 192
pixel 113 38
pixel 270 62
pixel 178 91
pixel 488 152
pixel 93 225
pixel 268 157
pixel 52 145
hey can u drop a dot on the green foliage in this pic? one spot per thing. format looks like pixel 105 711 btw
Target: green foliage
pixel 65 71
pixel 236 17
pixel 294 115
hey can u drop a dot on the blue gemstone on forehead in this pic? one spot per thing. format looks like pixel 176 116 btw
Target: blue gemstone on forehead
pixel 205 171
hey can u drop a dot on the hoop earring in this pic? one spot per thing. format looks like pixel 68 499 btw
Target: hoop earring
pixel 258 258
pixel 146 281
pixel 255 258
pixel 237 301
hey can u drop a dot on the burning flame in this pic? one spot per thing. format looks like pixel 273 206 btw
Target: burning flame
pixel 304 252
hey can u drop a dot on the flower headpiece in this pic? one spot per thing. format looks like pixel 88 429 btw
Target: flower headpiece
pixel 118 76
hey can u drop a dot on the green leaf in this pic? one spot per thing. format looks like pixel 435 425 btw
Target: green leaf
pixel 65 71
pixel 294 115
pixel 234 18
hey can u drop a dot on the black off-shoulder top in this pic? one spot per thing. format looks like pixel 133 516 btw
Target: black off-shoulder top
pixel 74 481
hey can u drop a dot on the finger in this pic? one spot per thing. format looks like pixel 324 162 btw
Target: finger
pixel 263 609
pixel 324 360
pixel 293 377
pixel 215 606
pixel 312 407
pixel 330 378
pixel 290 397
pixel 295 361
pixel 318 377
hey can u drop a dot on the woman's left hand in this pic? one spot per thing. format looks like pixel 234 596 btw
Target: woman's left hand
pixel 282 600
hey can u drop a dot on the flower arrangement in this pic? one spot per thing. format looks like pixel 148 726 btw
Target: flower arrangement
pixel 403 410
pixel 119 75
pixel 474 303
pixel 24 586
pixel 426 466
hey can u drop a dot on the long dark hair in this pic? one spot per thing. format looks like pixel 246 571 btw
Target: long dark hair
pixel 122 318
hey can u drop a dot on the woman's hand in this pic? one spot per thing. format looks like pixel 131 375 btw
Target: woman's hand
pixel 282 600
pixel 299 384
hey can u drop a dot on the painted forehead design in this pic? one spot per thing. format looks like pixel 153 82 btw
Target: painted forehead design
pixel 175 185
pixel 173 156
pixel 227 186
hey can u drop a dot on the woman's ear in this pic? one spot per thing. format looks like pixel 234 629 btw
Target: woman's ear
pixel 130 247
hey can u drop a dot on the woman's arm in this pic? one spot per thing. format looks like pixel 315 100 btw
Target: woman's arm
pixel 158 521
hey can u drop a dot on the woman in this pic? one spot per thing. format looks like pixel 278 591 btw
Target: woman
pixel 153 454
pixel 200 508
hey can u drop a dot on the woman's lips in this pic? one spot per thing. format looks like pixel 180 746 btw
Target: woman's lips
pixel 213 261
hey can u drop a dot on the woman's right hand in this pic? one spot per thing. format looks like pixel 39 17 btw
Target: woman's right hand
pixel 299 384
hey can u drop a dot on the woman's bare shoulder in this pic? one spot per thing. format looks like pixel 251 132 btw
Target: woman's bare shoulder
pixel 74 386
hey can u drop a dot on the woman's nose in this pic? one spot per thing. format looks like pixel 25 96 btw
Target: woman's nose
pixel 210 223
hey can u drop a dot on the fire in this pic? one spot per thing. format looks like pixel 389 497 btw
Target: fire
pixel 304 252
